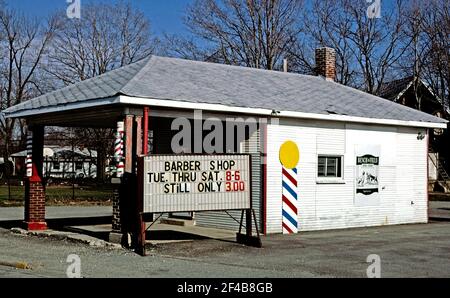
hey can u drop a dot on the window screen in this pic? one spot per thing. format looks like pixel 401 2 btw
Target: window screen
pixel 329 166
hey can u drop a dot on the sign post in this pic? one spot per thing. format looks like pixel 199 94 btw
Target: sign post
pixel 140 245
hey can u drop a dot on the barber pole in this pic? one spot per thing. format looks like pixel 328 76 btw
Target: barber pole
pixel 118 149
pixel 29 159
pixel 289 158
pixel 290 197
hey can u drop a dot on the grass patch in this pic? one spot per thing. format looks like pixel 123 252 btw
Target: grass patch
pixel 12 197
pixel 60 195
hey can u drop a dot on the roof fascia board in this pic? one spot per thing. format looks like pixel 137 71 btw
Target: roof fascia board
pixel 438 99
pixel 123 99
pixel 404 90
pixel 66 107
pixel 266 112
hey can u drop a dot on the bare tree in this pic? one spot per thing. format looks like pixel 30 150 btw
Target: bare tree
pixel 436 58
pixel 254 33
pixel 183 47
pixel 107 36
pixel 326 24
pixel 427 57
pixel 23 49
pixel 367 49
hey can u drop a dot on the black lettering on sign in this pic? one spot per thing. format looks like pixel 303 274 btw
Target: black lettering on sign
pixel 156 177
pixel 209 186
pixel 172 187
pixel 177 188
pixel 210 176
pixel 201 187
pixel 232 164
pixel 222 165
pixel 190 177
pixel 184 176
pixel 219 186
pixel 182 166
pixel 175 176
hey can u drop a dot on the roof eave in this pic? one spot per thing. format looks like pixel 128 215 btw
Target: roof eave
pixel 63 108
pixel 166 103
pixel 268 112
pixel 403 91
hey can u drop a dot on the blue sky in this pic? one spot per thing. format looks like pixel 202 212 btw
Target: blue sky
pixel 165 15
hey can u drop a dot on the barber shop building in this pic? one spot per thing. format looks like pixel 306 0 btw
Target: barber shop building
pixel 206 141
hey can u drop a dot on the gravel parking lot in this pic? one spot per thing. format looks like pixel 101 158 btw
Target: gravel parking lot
pixel 405 251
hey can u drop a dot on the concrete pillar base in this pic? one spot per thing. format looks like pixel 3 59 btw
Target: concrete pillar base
pixel 116 237
pixel 116 225
pixel 36 226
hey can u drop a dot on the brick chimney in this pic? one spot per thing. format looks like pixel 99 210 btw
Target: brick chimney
pixel 326 63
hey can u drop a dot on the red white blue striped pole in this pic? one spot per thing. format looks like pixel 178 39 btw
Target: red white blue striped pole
pixel 118 149
pixel 289 158
pixel 290 197
pixel 29 159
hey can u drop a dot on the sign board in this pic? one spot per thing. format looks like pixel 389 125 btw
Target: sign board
pixel 367 175
pixel 182 183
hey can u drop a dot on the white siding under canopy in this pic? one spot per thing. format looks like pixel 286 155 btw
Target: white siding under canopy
pixel 330 204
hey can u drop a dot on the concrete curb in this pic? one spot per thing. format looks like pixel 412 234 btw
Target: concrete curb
pixel 69 236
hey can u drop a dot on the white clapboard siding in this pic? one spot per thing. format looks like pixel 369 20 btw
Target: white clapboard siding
pixel 402 175
pixel 414 155
pixel 305 137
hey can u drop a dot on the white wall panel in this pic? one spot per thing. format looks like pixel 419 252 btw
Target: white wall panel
pixel 305 137
pixel 402 175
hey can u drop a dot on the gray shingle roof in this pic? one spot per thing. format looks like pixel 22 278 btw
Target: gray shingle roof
pixel 200 82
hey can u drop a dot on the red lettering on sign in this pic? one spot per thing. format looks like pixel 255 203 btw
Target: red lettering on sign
pixel 235 186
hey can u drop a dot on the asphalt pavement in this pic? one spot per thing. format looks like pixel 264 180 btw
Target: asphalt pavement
pixel 420 250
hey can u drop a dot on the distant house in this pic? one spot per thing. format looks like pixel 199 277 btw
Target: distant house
pixel 414 93
pixel 62 162
pixel 402 91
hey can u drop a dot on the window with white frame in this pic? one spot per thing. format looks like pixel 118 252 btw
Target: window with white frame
pixel 329 166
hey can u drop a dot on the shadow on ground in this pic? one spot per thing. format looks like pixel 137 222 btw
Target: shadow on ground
pixel 172 235
pixel 84 226
pixel 439 219
pixel 159 235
